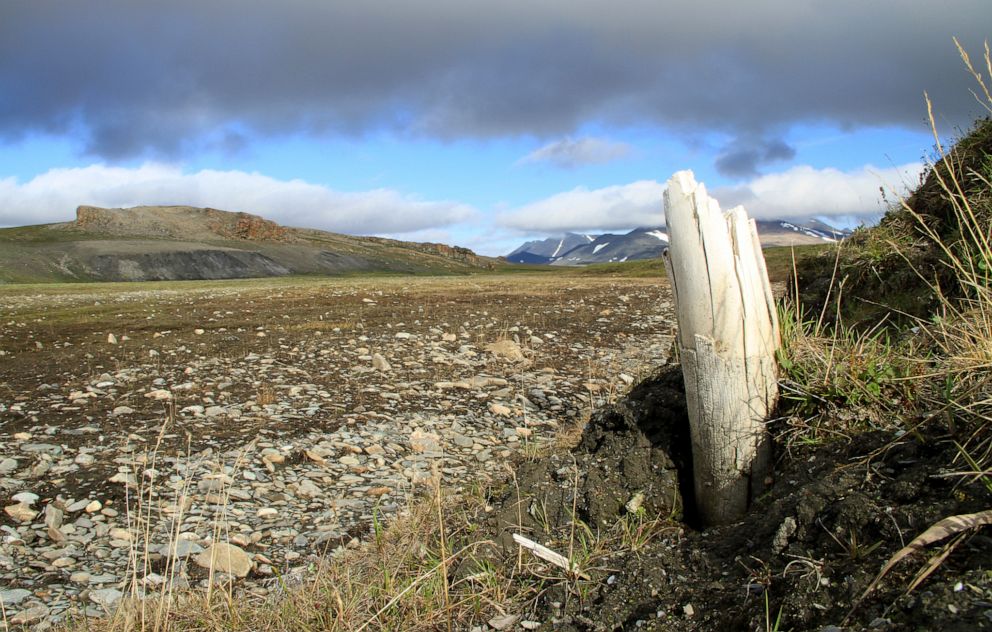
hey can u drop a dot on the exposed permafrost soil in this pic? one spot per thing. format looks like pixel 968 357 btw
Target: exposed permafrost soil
pixel 802 556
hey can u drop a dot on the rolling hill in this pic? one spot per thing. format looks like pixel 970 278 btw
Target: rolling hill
pixel 150 243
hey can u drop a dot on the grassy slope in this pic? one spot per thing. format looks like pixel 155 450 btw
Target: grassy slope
pixel 43 253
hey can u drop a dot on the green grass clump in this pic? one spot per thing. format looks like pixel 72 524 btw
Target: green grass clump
pixel 779 260
pixel 842 367
pixel 637 268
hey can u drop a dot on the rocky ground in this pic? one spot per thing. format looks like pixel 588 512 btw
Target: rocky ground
pixel 149 432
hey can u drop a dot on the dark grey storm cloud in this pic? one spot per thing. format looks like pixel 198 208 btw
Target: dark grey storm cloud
pixel 163 78
pixel 744 157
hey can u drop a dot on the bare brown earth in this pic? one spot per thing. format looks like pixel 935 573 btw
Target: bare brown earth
pixel 278 415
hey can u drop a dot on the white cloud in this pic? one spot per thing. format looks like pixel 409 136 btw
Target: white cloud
pixel 569 153
pixel 610 208
pixel 53 197
pixel 803 191
pixel 800 191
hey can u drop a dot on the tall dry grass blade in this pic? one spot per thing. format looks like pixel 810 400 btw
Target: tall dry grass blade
pixel 830 289
pixel 987 103
pixel 442 541
pixel 935 562
pixel 941 530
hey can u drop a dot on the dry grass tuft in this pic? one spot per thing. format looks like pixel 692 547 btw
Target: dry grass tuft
pixel 936 361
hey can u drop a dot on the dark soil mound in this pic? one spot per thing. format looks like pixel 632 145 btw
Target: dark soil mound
pixel 879 270
pixel 964 172
pixel 805 552
pixel 639 446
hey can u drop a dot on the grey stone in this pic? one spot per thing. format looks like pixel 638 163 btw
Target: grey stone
pixel 462 441
pixel 181 548
pixel 308 488
pixel 79 505
pixel 785 531
pixel 14 596
pixel 32 615
pixel 107 598
pixel 53 516
pixel 27 498
pixel 379 363
pixel 42 448
pixel 505 622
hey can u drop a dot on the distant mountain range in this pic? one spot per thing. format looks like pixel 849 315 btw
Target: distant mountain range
pixel 547 250
pixel 574 249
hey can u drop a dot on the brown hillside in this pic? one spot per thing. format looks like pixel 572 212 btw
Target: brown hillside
pixel 179 222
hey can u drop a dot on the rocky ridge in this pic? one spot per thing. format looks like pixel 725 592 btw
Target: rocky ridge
pixel 179 222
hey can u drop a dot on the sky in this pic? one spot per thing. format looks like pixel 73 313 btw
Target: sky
pixel 480 124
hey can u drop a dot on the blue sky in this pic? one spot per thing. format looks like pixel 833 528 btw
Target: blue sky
pixel 475 123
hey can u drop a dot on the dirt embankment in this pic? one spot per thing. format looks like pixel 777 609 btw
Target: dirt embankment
pixel 804 554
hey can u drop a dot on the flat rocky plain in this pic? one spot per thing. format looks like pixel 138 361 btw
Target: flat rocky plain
pixel 150 432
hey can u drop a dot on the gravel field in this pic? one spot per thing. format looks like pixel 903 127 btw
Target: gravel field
pixel 150 432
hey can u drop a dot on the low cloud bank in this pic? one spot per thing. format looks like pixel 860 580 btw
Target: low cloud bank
pixel 581 209
pixel 801 191
pixel 53 197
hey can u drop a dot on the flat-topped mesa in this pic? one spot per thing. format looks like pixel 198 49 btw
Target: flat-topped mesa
pixel 179 222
